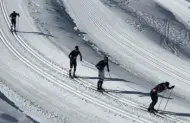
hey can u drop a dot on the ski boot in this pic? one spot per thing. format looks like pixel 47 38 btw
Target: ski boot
pixel 152 110
pixel 70 74
pixel 74 76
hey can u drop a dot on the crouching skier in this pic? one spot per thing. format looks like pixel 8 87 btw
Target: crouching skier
pixel 154 94
pixel 100 66
pixel 73 60
pixel 13 16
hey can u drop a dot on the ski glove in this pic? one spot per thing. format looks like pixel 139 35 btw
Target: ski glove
pixel 172 87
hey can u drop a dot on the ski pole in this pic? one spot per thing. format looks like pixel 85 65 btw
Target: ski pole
pixel 109 74
pixel 161 100
pixel 18 24
pixel 168 99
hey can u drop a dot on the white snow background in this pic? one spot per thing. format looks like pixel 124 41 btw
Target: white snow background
pixel 147 43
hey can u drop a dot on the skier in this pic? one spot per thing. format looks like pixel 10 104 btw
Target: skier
pixel 100 66
pixel 13 20
pixel 73 60
pixel 154 94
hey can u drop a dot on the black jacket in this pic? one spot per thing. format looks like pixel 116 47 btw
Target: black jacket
pixel 73 55
pixel 101 65
pixel 14 15
pixel 161 87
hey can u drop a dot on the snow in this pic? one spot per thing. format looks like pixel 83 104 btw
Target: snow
pixel 9 113
pixel 127 46
pixel 180 8
pixel 34 62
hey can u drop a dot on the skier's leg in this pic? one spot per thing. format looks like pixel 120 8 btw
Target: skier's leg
pixel 101 78
pixel 154 98
pixel 98 84
pixel 154 103
pixel 14 24
pixel 11 25
pixel 75 67
pixel 71 66
pixel 101 83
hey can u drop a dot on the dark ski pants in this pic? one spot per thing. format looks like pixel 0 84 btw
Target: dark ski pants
pixel 13 22
pixel 154 97
pixel 101 79
pixel 99 85
pixel 73 63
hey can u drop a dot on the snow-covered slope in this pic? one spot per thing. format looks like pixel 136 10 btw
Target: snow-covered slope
pixel 128 46
pixel 34 65
pixel 9 113
pixel 180 8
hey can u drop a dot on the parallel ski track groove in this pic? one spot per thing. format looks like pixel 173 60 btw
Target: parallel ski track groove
pixel 65 86
pixel 61 84
pixel 156 62
pixel 41 58
pixel 109 35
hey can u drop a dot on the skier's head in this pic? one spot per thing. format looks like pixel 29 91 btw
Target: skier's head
pixel 14 12
pixel 76 47
pixel 167 84
pixel 106 58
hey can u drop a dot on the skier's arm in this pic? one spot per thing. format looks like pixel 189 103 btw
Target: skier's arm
pixel 80 56
pixel 108 67
pixel 171 87
pixel 98 65
pixel 18 14
pixel 70 54
pixel 10 15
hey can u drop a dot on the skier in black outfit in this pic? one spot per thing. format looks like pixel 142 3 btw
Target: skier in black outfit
pixel 100 66
pixel 13 20
pixel 73 60
pixel 154 94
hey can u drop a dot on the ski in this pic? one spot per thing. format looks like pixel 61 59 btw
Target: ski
pixel 155 113
pixel 13 32
pixel 71 77
pixel 101 90
pixel 166 112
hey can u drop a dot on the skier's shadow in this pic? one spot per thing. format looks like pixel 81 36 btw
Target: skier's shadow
pixel 38 33
pixel 176 113
pixel 141 94
pixel 105 79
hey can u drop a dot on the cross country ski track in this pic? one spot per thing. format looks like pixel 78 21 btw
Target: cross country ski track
pixel 56 74
pixel 159 63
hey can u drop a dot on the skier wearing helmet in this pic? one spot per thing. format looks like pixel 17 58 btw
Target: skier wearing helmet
pixel 100 66
pixel 73 60
pixel 154 94
pixel 13 16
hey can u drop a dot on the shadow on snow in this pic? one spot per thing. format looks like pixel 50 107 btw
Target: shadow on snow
pixel 105 79
pixel 39 33
pixel 175 113
pixel 142 94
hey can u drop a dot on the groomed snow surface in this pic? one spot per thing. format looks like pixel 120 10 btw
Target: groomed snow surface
pixel 146 41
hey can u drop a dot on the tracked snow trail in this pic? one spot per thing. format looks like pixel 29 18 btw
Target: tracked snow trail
pixel 42 72
pixel 56 74
pixel 127 47
pixel 25 54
